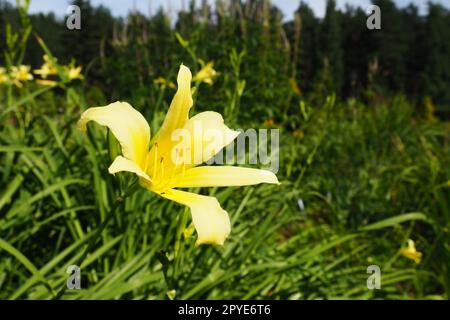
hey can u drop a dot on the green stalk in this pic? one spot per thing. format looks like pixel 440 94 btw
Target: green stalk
pixel 179 247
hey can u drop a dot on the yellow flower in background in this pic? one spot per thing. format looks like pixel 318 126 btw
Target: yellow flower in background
pixel 45 82
pixel 47 69
pixel 73 72
pixel 20 74
pixel 3 76
pixel 206 73
pixel 410 252
pixel 169 164
pixel 297 133
pixel 162 82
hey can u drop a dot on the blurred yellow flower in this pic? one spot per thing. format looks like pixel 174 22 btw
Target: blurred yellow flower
pixel 410 252
pixel 162 82
pixel 206 73
pixel 297 133
pixel 45 82
pixel 169 164
pixel 21 74
pixel 3 76
pixel 73 72
pixel 47 69
pixel 269 122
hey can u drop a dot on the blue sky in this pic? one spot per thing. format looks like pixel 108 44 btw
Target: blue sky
pixel 122 7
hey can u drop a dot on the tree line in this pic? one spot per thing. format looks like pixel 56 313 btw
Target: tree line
pixel 310 56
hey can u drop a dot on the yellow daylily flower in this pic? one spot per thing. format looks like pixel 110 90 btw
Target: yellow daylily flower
pixel 410 252
pixel 21 74
pixel 47 69
pixel 206 73
pixel 169 164
pixel 162 82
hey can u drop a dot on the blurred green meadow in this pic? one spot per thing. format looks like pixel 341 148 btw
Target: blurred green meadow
pixel 364 166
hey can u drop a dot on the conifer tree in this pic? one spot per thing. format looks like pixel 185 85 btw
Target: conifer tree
pixel 331 44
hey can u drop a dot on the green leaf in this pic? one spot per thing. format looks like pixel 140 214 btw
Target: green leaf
pixel 391 222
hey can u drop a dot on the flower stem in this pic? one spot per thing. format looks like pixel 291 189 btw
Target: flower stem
pixel 178 247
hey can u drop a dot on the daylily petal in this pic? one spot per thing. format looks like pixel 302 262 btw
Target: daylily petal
pixel 178 112
pixel 128 126
pixel 121 164
pixel 223 176
pixel 201 138
pixel 210 220
pixel 176 117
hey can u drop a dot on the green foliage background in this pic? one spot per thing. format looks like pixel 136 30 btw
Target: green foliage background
pixel 361 145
